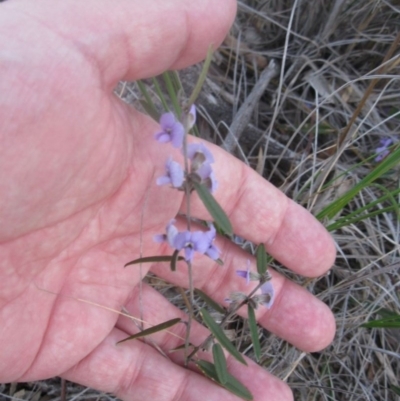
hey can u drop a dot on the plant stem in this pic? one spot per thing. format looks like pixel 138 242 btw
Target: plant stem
pixel 185 121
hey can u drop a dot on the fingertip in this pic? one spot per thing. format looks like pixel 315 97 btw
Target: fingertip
pixel 299 317
pixel 302 243
pixel 218 17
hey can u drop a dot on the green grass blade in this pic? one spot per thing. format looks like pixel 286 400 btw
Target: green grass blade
pixel 220 336
pixel 148 104
pixel 160 94
pixel 254 331
pixel 213 208
pixel 220 363
pixel 357 215
pixel 172 92
pixel 395 389
pixel 388 323
pixel 388 163
pixel 152 330
pixel 202 77
pixel 232 384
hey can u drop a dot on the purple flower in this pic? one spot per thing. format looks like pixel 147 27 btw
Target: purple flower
pixel 208 180
pixel 268 294
pixel 245 273
pixel 169 236
pixel 198 153
pixel 172 130
pixel 190 242
pixel 383 150
pixel 201 159
pixel 192 116
pixel 174 174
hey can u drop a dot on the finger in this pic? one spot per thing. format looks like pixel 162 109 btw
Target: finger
pixel 136 371
pixel 156 310
pixel 296 315
pixel 133 39
pixel 261 213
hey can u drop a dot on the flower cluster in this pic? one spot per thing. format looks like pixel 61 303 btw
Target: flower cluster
pixel 200 171
pixel 267 295
pixel 200 157
pixel 190 241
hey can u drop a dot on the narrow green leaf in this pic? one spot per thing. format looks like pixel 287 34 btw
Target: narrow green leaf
pixel 232 384
pixel 220 363
pixel 209 301
pixel 220 336
pixel 174 260
pixel 389 323
pixel 153 114
pixel 202 77
pixel 151 259
pixel 214 208
pixel 254 331
pixel 152 330
pixel 387 313
pixel 395 389
pixel 160 95
pixel 172 92
pixel 261 259
pixel 149 104
pixel 388 163
pixel 180 347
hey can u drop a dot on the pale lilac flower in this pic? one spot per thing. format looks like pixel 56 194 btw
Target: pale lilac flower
pixel 206 174
pixel 245 273
pixel 169 236
pixel 172 130
pixel 383 150
pixel 267 295
pixel 197 241
pixel 192 116
pixel 198 153
pixel 174 174
pixel 190 242
pixel 267 289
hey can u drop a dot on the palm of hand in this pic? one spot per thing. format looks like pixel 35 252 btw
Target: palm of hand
pixel 83 201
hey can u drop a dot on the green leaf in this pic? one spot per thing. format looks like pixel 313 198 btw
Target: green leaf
pixel 220 336
pixel 254 331
pixel 232 384
pixel 262 260
pixel 220 363
pixel 209 301
pixel 202 77
pixel 152 330
pixel 172 92
pixel 174 260
pixel 335 207
pixel 387 323
pixel 148 103
pixel 180 347
pixel 395 389
pixel 151 259
pixel 213 208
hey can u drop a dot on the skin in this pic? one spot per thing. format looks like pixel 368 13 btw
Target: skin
pixel 78 170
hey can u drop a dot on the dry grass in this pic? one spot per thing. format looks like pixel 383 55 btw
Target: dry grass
pixel 334 96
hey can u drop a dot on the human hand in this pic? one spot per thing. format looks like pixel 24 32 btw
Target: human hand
pixel 78 170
